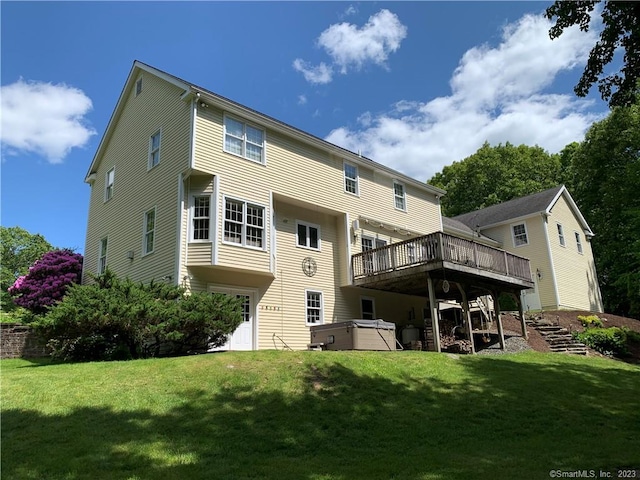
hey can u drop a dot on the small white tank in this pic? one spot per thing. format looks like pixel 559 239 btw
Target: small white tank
pixel 410 333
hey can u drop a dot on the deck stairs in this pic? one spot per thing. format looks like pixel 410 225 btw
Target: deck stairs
pixel 559 338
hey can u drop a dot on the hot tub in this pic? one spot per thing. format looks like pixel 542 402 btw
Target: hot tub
pixel 355 335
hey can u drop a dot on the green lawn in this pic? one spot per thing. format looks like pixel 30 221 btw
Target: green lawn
pixel 319 415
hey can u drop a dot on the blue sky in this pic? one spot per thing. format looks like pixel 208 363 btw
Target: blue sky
pixel 413 85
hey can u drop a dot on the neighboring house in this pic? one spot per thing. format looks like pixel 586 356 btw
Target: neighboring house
pixel 191 188
pixel 548 228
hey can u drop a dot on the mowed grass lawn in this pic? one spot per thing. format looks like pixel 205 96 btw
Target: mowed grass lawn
pixel 319 415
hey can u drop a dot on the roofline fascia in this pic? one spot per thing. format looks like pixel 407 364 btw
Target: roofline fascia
pixel 574 207
pixel 509 221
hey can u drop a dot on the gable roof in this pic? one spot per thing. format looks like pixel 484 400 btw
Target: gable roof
pixel 451 225
pixel 202 94
pixel 537 203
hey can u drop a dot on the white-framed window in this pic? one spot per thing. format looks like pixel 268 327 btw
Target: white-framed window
pixel 138 86
pixel 560 234
pixel 351 178
pixel 519 232
pixel 243 139
pixel 154 150
pixel 314 307
pixel 578 242
pixel 108 184
pixel 244 223
pixel 201 218
pixel 307 235
pixel 399 196
pixel 148 240
pixel 367 308
pixel 102 256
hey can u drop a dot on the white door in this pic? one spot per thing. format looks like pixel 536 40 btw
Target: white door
pixel 531 299
pixel 242 337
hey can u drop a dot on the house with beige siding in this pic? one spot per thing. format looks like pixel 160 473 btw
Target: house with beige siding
pixel 194 189
pixel 547 228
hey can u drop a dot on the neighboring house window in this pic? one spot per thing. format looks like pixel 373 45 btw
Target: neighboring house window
pixel 350 178
pixel 399 196
pixel 149 231
pixel 519 235
pixel 560 234
pixel 102 256
pixel 108 184
pixel 314 308
pixel 308 235
pixel 154 150
pixel 242 139
pixel 578 242
pixel 243 223
pixel 139 86
pixel 367 308
pixel 201 217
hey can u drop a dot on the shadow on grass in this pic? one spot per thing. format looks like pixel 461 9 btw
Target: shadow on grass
pixel 502 419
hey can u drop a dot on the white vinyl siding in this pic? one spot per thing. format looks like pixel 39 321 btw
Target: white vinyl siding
pixel 399 196
pixel 201 218
pixel 578 242
pixel 102 256
pixel 351 184
pixel 154 150
pixel 243 139
pixel 108 184
pixel 244 224
pixel 367 308
pixel 519 233
pixel 308 235
pixel 314 307
pixel 148 241
pixel 560 234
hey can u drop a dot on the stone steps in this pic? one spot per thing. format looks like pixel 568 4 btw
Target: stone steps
pixel 559 338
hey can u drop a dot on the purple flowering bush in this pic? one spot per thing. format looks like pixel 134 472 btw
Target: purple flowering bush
pixel 47 280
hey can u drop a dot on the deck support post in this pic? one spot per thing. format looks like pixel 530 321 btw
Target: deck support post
pixel 523 323
pixel 433 308
pixel 496 307
pixel 467 315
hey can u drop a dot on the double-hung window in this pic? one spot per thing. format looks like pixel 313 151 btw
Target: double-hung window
pixel 244 223
pixel 308 235
pixel 108 184
pixel 351 178
pixel 201 218
pixel 102 256
pixel 138 86
pixel 154 150
pixel 399 196
pixel 519 234
pixel 242 139
pixel 560 235
pixel 314 309
pixel 578 242
pixel 148 241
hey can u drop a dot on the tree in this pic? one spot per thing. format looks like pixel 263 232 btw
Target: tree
pixel 47 280
pixel 496 174
pixel 115 319
pixel 19 249
pixel 621 28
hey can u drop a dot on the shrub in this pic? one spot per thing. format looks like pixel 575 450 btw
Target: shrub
pixel 114 319
pixel 590 321
pixel 609 341
pixel 47 281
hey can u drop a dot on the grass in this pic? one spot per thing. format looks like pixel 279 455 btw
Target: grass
pixel 319 415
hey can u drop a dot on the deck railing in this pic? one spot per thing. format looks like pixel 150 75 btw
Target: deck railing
pixel 438 247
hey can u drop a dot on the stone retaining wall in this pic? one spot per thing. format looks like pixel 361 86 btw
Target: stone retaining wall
pixel 20 341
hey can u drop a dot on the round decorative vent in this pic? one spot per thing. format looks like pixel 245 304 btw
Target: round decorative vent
pixel 445 286
pixel 309 266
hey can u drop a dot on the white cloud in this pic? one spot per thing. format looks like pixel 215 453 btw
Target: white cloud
pixel 43 118
pixel 498 95
pixel 302 99
pixel 351 47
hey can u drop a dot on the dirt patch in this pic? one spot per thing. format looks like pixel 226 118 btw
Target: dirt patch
pixel 536 341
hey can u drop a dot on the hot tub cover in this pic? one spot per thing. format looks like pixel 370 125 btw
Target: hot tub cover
pixel 357 323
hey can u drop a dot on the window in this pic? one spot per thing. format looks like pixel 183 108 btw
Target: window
pixel 350 178
pixel 399 196
pixel 154 150
pixel 578 242
pixel 242 139
pixel 108 184
pixel 314 308
pixel 149 231
pixel 308 235
pixel 243 223
pixel 519 235
pixel 201 217
pixel 560 234
pixel 139 86
pixel 102 256
pixel 367 308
